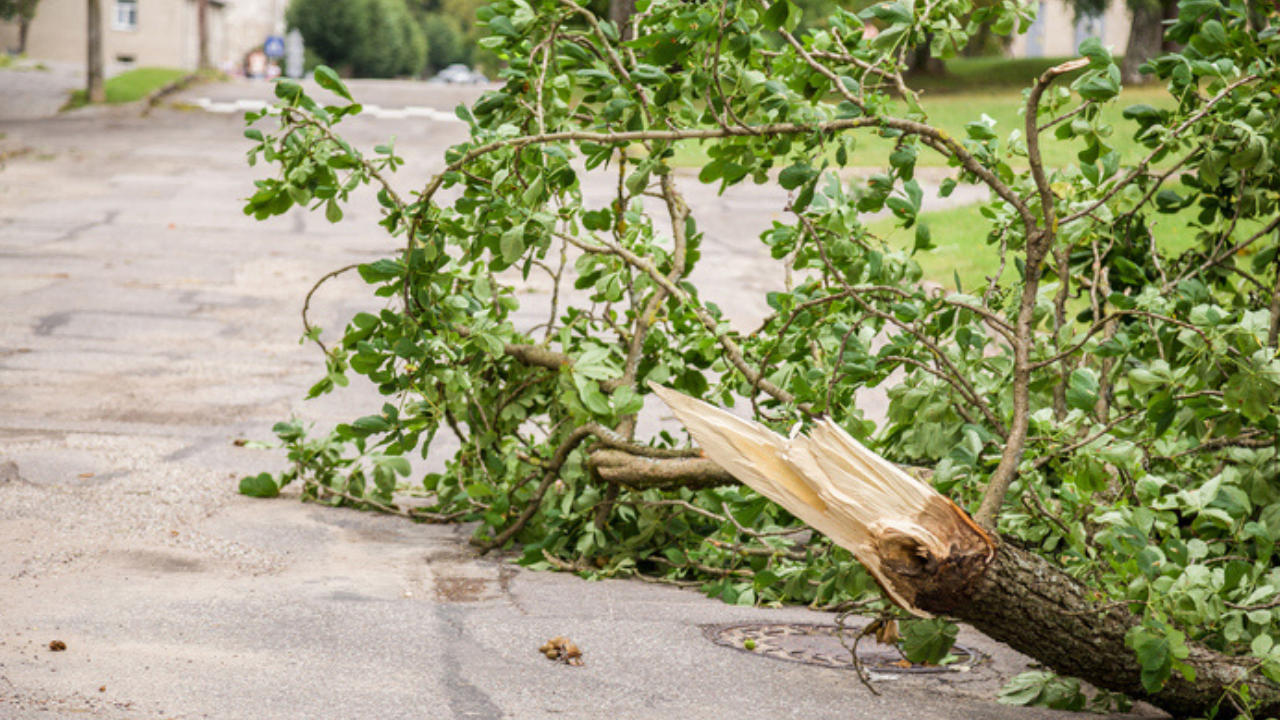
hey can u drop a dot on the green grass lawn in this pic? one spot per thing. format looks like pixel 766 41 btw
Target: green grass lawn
pixel 960 235
pixel 987 74
pixel 131 86
pixel 952 111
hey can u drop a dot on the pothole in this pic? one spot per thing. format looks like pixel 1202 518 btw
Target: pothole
pixel 819 645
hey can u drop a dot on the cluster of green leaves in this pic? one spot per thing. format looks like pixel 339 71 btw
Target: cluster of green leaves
pixel 367 38
pixel 1132 391
pixel 1045 689
pixel 327 470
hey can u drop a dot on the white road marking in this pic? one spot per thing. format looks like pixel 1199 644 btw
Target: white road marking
pixel 374 111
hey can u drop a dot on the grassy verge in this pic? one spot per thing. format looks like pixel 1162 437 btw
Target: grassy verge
pixel 951 112
pixel 130 86
pixel 986 74
pixel 960 235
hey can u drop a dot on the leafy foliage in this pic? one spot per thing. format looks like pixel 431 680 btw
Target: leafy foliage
pixel 368 38
pixel 1108 403
pixel 1044 689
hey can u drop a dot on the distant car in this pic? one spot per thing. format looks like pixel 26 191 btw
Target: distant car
pixel 459 74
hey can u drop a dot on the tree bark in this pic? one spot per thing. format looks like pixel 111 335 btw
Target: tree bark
pixel 932 559
pixel 1146 37
pixel 1037 609
pixel 24 25
pixel 96 89
pixel 202 21
pixel 620 12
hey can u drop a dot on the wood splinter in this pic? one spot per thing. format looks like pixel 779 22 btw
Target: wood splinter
pixel 922 549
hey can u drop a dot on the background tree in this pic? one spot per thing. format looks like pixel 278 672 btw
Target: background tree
pixel 444 37
pixel 95 82
pixel 1105 405
pixel 24 11
pixel 366 38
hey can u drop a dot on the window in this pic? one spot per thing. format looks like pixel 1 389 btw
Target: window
pixel 126 17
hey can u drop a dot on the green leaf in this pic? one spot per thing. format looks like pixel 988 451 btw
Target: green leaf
pixel 372 424
pixel 796 175
pixel 262 485
pixel 329 80
pixel 928 641
pixel 1158 648
pixel 1024 689
pixel 924 239
pixel 1082 389
pixel 395 463
pixel 1099 85
pixel 775 18
pixel 511 245
pixel 332 212
pixel 1099 56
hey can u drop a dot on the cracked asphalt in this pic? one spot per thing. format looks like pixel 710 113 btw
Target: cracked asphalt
pixel 148 325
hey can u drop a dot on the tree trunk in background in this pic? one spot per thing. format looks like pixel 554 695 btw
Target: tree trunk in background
pixel 620 12
pixel 202 21
pixel 95 89
pixel 1146 38
pixel 920 61
pixel 23 25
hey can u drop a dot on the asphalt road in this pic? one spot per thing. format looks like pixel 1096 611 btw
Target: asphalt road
pixel 148 324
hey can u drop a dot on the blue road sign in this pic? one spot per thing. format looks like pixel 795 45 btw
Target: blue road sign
pixel 273 47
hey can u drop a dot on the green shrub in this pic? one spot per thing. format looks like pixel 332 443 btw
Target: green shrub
pixel 445 44
pixel 367 38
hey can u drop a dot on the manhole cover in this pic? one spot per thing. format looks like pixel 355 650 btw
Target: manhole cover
pixel 819 645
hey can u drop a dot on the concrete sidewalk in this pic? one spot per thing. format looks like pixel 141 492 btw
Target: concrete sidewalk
pixel 148 324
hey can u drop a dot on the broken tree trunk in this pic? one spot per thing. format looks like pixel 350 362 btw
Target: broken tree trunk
pixel 931 558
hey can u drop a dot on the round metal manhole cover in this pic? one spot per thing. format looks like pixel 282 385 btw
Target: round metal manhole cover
pixel 819 645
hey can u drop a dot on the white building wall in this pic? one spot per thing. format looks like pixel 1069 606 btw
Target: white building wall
pixel 166 35
pixel 1056 33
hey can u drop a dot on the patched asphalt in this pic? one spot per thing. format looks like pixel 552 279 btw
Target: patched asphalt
pixel 148 325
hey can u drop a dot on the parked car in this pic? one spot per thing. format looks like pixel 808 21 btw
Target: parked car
pixel 459 74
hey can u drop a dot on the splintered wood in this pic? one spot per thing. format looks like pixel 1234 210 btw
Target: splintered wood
pixel 921 548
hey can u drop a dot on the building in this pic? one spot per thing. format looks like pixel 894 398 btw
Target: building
pixel 1057 32
pixel 154 33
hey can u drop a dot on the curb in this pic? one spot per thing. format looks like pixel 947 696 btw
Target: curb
pixel 149 102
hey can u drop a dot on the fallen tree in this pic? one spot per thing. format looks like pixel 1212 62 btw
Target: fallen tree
pixel 1104 401
pixel 930 557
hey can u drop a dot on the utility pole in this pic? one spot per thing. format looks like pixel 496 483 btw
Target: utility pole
pixel 96 91
pixel 203 21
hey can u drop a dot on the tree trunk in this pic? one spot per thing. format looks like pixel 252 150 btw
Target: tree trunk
pixel 1146 37
pixel 202 21
pixel 24 24
pixel 96 90
pixel 620 12
pixel 921 60
pixel 931 558
pixel 1037 609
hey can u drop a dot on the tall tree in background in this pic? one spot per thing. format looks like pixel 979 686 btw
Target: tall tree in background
pixel 1146 36
pixel 366 38
pixel 202 21
pixel 24 11
pixel 620 12
pixel 95 88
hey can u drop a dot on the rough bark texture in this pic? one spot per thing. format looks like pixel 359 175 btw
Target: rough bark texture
pixel 1146 37
pixel 202 22
pixel 620 12
pixel 619 467
pixel 1039 610
pixel 95 90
